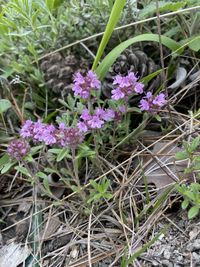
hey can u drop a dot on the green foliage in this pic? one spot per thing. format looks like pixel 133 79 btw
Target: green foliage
pixel 4 105
pixel 99 191
pixel 128 260
pixel 114 54
pixel 164 6
pixel 114 17
pixel 191 195
pixel 191 192
pixel 189 152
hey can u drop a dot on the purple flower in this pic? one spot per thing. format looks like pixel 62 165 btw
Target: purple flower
pixel 117 94
pixel 92 79
pixel 127 85
pixel 85 115
pixel 69 137
pixel 38 131
pixel 144 105
pixel 108 115
pixel 82 127
pixel 152 103
pixel 160 100
pixel 48 135
pixel 18 148
pixel 27 129
pixel 84 85
pixel 95 122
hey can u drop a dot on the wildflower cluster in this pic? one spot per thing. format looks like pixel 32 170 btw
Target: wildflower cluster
pixel 91 118
pixel 50 135
pixel 18 148
pixel 152 103
pixel 96 120
pixel 83 86
pixel 126 86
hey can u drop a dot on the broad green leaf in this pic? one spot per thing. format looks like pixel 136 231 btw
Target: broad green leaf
pixel 23 171
pixel 194 43
pixel 35 149
pixel 181 155
pixel 4 159
pixel 114 17
pixel 7 167
pixel 62 154
pixel 85 151
pixel 114 54
pixel 55 150
pixel 185 204
pixel 42 175
pixel 4 105
pixel 193 212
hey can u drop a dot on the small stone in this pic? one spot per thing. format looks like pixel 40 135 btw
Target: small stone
pixel 167 263
pixel 195 245
pixel 195 256
pixel 167 254
pixel 180 258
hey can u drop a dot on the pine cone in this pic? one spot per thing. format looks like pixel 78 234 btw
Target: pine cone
pixel 136 61
pixel 58 71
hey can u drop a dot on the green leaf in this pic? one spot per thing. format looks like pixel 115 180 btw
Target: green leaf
pixel 107 195
pixel 195 143
pixel 35 149
pixel 3 160
pixel 181 155
pixel 41 175
pixel 193 212
pixel 23 171
pixel 194 43
pixel 50 4
pixel 4 105
pixel 7 167
pixel 114 17
pixel 62 154
pixel 158 118
pixel 85 151
pixel 185 204
pixel 46 184
pixel 149 77
pixel 94 184
pixel 114 54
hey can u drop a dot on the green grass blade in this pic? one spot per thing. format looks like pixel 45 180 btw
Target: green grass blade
pixel 114 17
pixel 113 55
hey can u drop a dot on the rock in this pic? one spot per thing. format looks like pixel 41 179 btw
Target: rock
pixel 167 263
pixel 193 246
pixel 167 254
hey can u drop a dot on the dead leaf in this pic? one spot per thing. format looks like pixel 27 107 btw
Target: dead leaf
pixel 163 169
pixel 13 254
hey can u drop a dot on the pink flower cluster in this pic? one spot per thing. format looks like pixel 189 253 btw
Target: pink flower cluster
pixel 96 120
pixel 126 86
pixel 18 148
pixel 49 134
pixel 152 103
pixel 84 85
